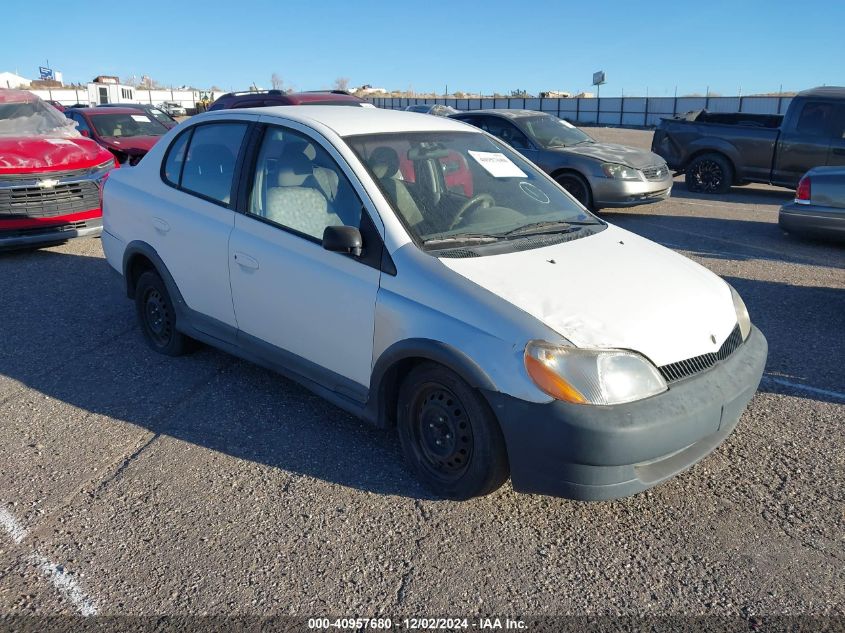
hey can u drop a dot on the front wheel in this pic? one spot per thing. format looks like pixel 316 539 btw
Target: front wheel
pixel 449 435
pixel 709 173
pixel 578 188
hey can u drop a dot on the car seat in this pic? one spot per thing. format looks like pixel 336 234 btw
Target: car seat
pixel 384 163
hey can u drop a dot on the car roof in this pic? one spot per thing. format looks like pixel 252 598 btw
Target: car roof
pixel 109 110
pixel 349 121
pixel 824 91
pixel 510 114
pixel 10 95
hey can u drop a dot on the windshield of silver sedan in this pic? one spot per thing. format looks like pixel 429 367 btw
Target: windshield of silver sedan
pixel 550 132
pixel 455 188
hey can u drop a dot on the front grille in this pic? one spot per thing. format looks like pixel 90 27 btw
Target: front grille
pixel 46 202
pixel 657 172
pixel 691 366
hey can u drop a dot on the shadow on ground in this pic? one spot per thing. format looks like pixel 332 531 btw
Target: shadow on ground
pixel 216 401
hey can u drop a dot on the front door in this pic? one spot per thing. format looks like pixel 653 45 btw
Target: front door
pixel 297 303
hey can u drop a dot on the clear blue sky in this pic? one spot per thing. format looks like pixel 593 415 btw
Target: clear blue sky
pixel 492 45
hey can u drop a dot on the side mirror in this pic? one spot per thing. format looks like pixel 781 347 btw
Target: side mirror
pixel 85 133
pixel 343 239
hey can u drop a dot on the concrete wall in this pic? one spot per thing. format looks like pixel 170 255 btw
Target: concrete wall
pixel 609 111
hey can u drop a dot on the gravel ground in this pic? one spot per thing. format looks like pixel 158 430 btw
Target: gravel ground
pixel 137 484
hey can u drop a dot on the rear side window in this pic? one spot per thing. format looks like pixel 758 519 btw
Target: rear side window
pixel 176 158
pixel 209 166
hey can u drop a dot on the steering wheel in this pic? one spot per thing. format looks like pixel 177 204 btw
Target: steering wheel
pixel 469 204
pixel 555 140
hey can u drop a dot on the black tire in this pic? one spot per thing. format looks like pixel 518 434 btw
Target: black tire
pixel 709 173
pixel 157 317
pixel 449 435
pixel 578 187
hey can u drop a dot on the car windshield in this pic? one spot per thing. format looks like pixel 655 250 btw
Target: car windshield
pixel 160 116
pixel 449 187
pixel 122 125
pixel 33 117
pixel 549 132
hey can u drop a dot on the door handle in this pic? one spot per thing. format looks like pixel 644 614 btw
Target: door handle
pixel 839 150
pixel 160 225
pixel 245 261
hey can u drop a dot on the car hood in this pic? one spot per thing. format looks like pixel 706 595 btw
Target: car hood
pixel 131 143
pixel 613 289
pixel 39 154
pixel 612 153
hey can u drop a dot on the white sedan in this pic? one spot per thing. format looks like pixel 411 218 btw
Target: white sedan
pixel 421 274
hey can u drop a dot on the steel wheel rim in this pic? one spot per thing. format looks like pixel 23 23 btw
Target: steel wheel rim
pixel 157 317
pixel 442 432
pixel 708 175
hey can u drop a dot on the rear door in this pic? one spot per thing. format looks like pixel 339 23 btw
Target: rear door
pixel 804 142
pixel 193 218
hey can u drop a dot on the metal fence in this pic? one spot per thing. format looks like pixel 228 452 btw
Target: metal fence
pixel 619 111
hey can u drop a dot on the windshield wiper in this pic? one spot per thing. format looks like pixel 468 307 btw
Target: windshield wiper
pixel 466 238
pixel 539 228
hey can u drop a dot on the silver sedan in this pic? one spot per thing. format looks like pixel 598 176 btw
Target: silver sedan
pixel 598 175
pixel 819 206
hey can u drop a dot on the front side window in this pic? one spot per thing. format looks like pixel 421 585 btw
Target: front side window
pixel 210 162
pixel 495 194
pixel 299 186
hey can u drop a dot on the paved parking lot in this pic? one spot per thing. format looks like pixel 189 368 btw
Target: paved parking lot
pixel 137 484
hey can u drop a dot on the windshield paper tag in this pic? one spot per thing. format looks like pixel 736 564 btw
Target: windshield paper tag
pixel 140 118
pixel 498 165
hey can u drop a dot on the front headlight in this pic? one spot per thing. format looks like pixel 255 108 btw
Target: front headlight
pixel 620 172
pixel 591 376
pixel 741 313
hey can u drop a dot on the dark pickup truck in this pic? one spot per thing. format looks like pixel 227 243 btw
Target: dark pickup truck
pixel 716 150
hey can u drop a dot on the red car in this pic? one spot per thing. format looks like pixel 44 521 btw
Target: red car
pixel 128 133
pixel 51 178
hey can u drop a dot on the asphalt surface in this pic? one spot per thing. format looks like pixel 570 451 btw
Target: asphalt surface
pixel 137 484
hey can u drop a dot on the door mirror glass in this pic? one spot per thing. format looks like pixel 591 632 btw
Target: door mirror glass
pixel 343 239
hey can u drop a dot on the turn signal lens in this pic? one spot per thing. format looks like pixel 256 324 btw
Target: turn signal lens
pixel 551 383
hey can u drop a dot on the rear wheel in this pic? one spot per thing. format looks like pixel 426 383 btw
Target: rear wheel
pixel 449 436
pixel 578 187
pixel 157 317
pixel 709 173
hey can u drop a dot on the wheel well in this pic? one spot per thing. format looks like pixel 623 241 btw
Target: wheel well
pixel 389 387
pixel 702 152
pixel 135 267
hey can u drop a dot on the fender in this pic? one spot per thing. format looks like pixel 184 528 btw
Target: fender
pixel 381 380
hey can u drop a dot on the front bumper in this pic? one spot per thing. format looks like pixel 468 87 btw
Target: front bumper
pixel 607 452
pixel 814 220
pixel 610 192
pixel 52 234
